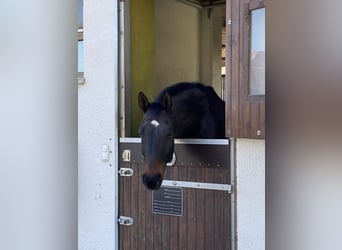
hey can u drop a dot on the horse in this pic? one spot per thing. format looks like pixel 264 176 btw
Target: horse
pixel 183 110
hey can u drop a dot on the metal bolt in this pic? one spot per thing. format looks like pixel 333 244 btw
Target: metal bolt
pixel 258 132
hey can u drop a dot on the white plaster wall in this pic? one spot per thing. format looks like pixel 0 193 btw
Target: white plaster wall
pixel 250 194
pixel 177 43
pixel 97 108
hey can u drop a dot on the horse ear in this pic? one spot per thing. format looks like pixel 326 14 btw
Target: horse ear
pixel 167 101
pixel 143 101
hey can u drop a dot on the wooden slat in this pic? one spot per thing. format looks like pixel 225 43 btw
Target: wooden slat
pixel 219 223
pixel 255 4
pixel 226 221
pixel 157 231
pixel 226 211
pixel 191 210
pixel 246 115
pixel 200 212
pixel 174 220
pixel 134 207
pixel 254 120
pixel 243 69
pixel 235 78
pixel 228 77
pixel 149 220
pixel 262 120
pixel 182 234
pixel 210 212
pixel 142 211
pixel 165 232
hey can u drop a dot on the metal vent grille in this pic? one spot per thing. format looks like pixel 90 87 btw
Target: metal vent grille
pixel 168 201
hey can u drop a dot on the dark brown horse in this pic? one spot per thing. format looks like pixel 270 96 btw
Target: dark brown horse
pixel 183 110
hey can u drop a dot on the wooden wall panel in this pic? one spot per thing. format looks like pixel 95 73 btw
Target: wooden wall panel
pixel 228 63
pixel 233 102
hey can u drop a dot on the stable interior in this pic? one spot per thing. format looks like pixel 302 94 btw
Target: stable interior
pixel 166 42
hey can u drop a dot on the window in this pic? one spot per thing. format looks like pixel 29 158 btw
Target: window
pixel 253 37
pixel 257 52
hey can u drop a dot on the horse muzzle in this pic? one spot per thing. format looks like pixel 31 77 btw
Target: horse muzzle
pixel 153 175
pixel 152 182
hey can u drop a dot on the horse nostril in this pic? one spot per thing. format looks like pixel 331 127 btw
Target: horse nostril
pixel 152 182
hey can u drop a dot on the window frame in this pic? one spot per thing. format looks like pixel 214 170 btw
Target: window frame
pixel 246 32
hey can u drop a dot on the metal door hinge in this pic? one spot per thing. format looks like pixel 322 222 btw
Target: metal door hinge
pixel 125 221
pixel 126 171
pixel 105 152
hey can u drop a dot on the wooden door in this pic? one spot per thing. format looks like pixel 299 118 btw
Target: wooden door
pixel 245 104
pixel 204 222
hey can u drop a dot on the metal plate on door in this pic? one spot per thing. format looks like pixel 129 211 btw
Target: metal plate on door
pixel 168 201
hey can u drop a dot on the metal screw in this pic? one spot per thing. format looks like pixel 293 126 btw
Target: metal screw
pixel 258 132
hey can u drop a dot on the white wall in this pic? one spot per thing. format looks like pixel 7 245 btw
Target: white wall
pixel 97 119
pixel 250 194
pixel 38 125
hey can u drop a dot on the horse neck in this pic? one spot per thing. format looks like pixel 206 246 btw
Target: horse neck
pixel 184 126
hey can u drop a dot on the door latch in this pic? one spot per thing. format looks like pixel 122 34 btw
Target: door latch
pixel 125 221
pixel 126 171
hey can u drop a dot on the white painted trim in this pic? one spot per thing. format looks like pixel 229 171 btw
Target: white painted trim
pixel 98 117
pixel 232 197
pixel 183 141
pixel 130 140
pixel 203 141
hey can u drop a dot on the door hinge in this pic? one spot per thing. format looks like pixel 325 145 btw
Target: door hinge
pixel 126 171
pixel 125 221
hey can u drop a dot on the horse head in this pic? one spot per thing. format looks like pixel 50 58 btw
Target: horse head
pixel 157 138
